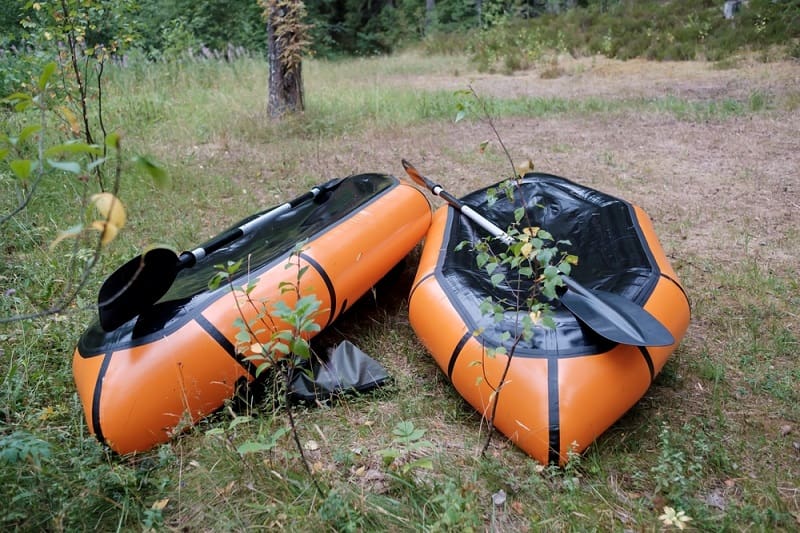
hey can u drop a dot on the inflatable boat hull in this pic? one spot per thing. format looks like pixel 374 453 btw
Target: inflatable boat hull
pixel 179 361
pixel 567 386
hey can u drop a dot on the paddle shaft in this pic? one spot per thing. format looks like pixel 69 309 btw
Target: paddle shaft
pixel 189 259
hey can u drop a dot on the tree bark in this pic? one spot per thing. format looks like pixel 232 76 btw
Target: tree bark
pixel 285 93
pixel 430 13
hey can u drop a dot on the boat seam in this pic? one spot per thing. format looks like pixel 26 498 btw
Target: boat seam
pixel 456 352
pixel 225 344
pixel 328 284
pixel 680 288
pixel 554 422
pixel 420 282
pixel 649 360
pixel 98 391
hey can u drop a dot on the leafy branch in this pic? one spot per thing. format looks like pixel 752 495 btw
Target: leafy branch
pixel 31 161
pixel 276 336
pixel 529 268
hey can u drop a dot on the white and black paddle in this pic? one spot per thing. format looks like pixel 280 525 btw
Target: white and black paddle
pixel 609 315
pixel 142 281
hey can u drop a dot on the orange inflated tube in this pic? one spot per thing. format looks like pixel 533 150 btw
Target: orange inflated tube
pixel 178 361
pixel 567 385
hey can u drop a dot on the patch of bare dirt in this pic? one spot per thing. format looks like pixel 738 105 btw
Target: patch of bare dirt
pixel 601 77
pixel 720 189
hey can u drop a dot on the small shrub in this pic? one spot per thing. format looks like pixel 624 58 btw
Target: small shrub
pixel 678 30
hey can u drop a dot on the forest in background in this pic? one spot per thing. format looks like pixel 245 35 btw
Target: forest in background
pixel 508 33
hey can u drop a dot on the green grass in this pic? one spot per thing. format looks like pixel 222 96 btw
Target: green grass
pixel 664 31
pixel 719 455
pixel 217 103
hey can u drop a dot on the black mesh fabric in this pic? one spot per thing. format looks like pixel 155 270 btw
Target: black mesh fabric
pixel 603 232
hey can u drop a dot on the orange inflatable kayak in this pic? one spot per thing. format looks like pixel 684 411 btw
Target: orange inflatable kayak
pixel 568 384
pixel 177 360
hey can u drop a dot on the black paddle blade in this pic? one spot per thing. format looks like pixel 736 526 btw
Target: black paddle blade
pixel 614 317
pixel 135 286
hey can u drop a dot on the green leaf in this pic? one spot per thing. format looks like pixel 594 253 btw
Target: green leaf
pixel 460 116
pixel 519 213
pixel 74 147
pixel 283 335
pixel 300 347
pixel 308 304
pixel 47 72
pixel 389 455
pixel 66 166
pixel 280 348
pixel 406 432
pixel 281 310
pixel 16 97
pixel 460 246
pixel 545 256
pixel 550 272
pixel 239 420
pixel 285 286
pixel 280 432
pixel 4 152
pixel 311 327
pixel 112 140
pixel 160 177
pixel 27 132
pixel 233 266
pixel 261 369
pixel 217 280
pixel 254 447
pixel 22 168
pixel 549 287
pixel 302 272
pixel 422 462
pixel 496 279
pixel 548 322
pixel 20 101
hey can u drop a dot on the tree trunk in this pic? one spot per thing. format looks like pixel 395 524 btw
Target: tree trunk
pixel 285 77
pixel 430 13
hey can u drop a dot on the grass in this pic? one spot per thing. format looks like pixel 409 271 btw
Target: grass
pixel 663 31
pixel 707 438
